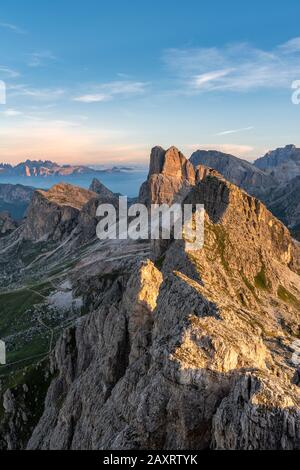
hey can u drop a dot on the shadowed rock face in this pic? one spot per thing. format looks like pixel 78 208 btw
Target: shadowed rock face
pixel 282 163
pixel 102 191
pixel 237 171
pixel 7 224
pixel 15 192
pixel 284 203
pixel 53 214
pixel 191 353
pixel 15 199
pixel 273 179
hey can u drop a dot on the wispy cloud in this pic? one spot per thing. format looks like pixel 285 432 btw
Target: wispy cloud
pixel 12 27
pixel 235 131
pixel 237 67
pixel 205 78
pixel 108 91
pixel 92 98
pixel 290 46
pixel 39 59
pixel 7 72
pixel 10 112
pixel 42 94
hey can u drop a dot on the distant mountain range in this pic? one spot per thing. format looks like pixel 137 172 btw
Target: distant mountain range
pixel 41 168
pixel 273 178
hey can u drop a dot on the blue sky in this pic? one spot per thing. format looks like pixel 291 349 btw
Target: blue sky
pixel 102 82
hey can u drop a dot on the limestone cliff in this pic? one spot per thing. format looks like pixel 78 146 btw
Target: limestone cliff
pixel 170 177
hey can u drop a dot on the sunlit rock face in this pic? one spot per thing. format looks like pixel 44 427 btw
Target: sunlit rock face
pixel 170 177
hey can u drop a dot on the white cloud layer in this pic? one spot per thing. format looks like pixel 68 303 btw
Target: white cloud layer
pixel 10 112
pixel 237 67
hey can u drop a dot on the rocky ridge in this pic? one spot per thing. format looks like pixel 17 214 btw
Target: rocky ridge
pixel 273 179
pixel 191 351
pixel 240 172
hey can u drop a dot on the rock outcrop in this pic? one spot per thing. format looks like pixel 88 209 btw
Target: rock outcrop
pixel 102 191
pixel 7 224
pixel 170 177
pixel 54 214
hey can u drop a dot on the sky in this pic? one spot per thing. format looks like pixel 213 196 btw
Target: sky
pixel 100 82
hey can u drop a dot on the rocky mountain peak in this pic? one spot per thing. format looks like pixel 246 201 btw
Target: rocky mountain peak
pixel 65 194
pixel 259 232
pixel 236 170
pixel 54 214
pixel 282 163
pixel 102 191
pixel 171 163
pixel 170 177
